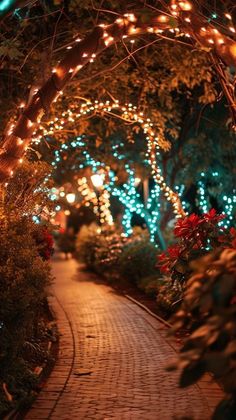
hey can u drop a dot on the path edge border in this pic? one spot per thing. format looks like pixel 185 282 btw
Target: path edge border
pixel 145 308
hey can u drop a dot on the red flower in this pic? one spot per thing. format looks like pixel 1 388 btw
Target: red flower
pixel 164 263
pixel 174 251
pixel 184 227
pixel 44 240
pixel 167 258
pixel 212 216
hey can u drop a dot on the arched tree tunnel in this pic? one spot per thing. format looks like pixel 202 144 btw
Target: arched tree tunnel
pixel 179 16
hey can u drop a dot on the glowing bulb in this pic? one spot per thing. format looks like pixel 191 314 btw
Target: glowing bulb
pixel 185 5
pixel 70 198
pixel 162 18
pixel 98 180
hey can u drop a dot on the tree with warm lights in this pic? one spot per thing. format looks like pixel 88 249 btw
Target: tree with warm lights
pixel 182 18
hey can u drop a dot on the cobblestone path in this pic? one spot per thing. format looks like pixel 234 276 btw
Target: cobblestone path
pixel 112 360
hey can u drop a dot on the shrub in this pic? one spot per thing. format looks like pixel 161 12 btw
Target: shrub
pixel 86 244
pixel 137 260
pixel 209 311
pixel 107 253
pixel 44 242
pixel 169 294
pixel 195 235
pixel 114 256
pixel 150 285
pixel 24 275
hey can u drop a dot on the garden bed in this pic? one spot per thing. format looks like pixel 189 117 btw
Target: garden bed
pixel 39 363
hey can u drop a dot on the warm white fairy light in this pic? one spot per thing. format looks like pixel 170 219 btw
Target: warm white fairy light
pixel 162 18
pixel 101 204
pixel 129 113
pixel 183 9
pixel 185 5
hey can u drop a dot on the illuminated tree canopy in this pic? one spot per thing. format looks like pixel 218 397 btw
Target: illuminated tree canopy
pixel 183 19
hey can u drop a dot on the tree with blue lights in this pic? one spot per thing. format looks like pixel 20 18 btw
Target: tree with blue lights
pixel 126 192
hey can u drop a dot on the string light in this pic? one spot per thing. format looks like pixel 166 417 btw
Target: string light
pixel 128 23
pixel 226 203
pixel 101 204
pixel 126 193
pixel 129 113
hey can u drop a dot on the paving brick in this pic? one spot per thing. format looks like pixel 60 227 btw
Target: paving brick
pixel 126 351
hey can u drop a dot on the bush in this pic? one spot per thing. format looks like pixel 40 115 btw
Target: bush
pixel 114 256
pixel 86 244
pixel 137 260
pixel 107 253
pixel 24 275
pixel 195 236
pixel 209 311
pixel 150 285
pixel 169 294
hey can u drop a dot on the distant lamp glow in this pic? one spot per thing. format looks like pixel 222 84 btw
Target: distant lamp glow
pixel 137 181
pixel 97 180
pixel 70 198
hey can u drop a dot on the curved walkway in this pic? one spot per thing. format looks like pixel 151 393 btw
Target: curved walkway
pixel 112 360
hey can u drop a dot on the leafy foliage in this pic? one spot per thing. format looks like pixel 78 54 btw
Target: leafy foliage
pixel 116 257
pixel 208 310
pixel 23 277
pixel 138 259
pixel 27 192
pixel 169 294
pixel 86 243
pixel 195 235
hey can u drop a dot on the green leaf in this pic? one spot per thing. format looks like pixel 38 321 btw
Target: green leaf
pixel 225 410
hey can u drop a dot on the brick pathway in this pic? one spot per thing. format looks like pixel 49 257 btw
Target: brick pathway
pixel 112 360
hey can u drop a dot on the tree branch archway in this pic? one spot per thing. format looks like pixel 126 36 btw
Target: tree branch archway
pixel 182 16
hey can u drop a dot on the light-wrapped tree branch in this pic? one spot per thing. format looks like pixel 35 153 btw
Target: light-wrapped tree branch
pixel 183 18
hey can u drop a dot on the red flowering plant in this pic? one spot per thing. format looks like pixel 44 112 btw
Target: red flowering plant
pixel 195 235
pixel 44 241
